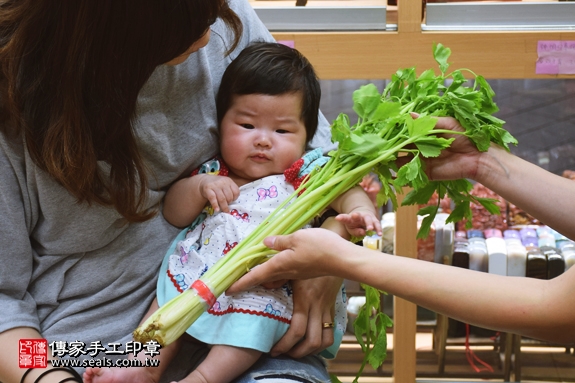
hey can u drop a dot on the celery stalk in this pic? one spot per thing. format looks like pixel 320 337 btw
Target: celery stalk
pixel 384 131
pixel 322 188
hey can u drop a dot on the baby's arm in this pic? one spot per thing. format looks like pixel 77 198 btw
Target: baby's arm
pixel 187 197
pixel 357 212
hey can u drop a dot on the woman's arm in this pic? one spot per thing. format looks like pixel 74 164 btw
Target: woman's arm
pixel 10 372
pixel 542 194
pixel 531 307
pixel 18 316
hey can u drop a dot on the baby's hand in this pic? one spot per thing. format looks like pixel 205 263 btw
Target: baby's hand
pixel 359 222
pixel 219 191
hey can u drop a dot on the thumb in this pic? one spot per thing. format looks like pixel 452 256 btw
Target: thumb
pixel 279 243
pixel 254 277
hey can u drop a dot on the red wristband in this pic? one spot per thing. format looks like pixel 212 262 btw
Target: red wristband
pixel 204 292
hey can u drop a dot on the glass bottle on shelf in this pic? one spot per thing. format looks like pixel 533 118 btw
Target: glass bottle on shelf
pixel 516 253
pixel 555 261
pixel 546 242
pixel 567 248
pixel 544 232
pixel 460 256
pixel 528 237
pixel 496 251
pixel 561 240
pixel 511 237
pixel 477 250
pixel 536 265
pixel 388 230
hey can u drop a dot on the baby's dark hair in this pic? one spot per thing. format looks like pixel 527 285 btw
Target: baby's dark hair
pixel 272 69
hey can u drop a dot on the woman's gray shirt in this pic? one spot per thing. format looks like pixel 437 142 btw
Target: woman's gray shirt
pixel 81 273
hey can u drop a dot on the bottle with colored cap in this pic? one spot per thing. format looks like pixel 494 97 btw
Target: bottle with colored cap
pixel 536 266
pixel 477 249
pixel 546 241
pixel 510 233
pixel 528 237
pixel 544 232
pixel 516 256
pixel 460 250
pixel 567 248
pixel 555 261
pixel 444 233
pixel 560 239
pixel 388 231
pixel 496 251
pixel 516 260
pixel 512 237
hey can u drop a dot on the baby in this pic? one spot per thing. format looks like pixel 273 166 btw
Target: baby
pixel 268 105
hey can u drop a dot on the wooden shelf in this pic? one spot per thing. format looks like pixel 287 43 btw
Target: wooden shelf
pixel 378 55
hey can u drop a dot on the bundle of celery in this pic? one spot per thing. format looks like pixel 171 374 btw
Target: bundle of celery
pixel 384 130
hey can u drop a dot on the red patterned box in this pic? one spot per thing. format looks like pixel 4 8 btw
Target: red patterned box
pixel 33 353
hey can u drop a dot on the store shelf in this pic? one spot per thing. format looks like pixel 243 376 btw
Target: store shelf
pixel 505 16
pixel 540 363
pixel 508 52
pixel 323 16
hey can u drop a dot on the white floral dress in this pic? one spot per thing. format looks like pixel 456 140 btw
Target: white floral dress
pixel 254 319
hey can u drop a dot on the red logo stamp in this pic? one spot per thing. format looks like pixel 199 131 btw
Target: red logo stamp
pixel 33 353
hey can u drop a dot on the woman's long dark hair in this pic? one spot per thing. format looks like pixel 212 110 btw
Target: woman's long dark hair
pixel 70 74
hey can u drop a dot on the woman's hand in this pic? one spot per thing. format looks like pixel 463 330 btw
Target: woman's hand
pixel 314 304
pixel 305 254
pixel 460 160
pixel 300 257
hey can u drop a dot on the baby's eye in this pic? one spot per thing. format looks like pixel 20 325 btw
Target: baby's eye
pixel 247 126
pixel 282 131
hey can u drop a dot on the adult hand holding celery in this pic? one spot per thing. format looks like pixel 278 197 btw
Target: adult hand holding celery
pixel 385 130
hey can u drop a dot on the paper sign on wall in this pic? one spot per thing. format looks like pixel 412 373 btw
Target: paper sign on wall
pixel 555 57
pixel 289 43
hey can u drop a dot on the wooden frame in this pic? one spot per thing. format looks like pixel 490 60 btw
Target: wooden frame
pixel 377 55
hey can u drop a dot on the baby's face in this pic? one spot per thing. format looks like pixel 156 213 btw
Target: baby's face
pixel 262 135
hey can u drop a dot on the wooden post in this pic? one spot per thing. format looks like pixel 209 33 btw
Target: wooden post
pixel 409 16
pixel 404 312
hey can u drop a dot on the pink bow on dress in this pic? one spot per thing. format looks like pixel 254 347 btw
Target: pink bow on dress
pixel 272 192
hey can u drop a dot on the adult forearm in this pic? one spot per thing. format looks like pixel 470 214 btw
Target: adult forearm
pixel 542 194
pixel 10 372
pixel 527 306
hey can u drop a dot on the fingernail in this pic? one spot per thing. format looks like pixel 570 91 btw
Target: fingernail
pixel 269 242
